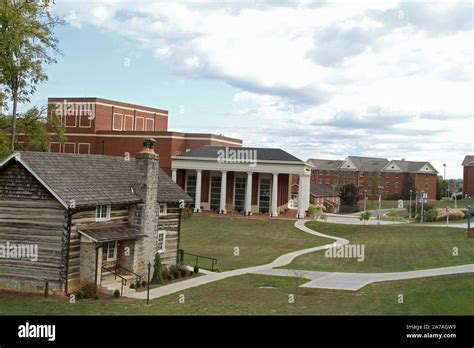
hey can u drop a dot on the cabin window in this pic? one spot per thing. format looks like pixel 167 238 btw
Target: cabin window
pixel 163 209
pixel 102 212
pixel 161 241
pixel 111 251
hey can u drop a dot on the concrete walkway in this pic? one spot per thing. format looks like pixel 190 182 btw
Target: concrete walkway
pixel 321 280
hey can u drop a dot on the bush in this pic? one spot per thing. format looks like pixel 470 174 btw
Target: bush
pixel 116 293
pixel 175 271
pixel 217 269
pixel 454 214
pixel 165 273
pixel 143 283
pixel 196 269
pixel 80 294
pixel 431 215
pixel 138 284
pixel 90 290
pixel 132 286
pixel 157 268
pixel 183 270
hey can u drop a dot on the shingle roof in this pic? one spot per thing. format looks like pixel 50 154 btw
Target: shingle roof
pixel 468 160
pixel 323 164
pixel 368 164
pixel 410 166
pixel 89 180
pixel 263 154
pixel 318 190
pixel 111 232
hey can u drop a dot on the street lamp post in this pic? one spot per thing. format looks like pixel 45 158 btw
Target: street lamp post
pixel 469 216
pixel 416 203
pixel 380 203
pixel 422 200
pixel 409 214
pixel 148 284
pixel 365 199
pixel 444 178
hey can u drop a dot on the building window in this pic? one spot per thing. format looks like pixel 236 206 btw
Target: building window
pixel 387 184
pixel 102 212
pixel 396 185
pixel 111 251
pixel 161 241
pixel 163 209
pixel 215 192
pixel 239 194
pixel 191 185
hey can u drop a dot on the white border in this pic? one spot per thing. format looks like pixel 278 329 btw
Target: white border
pixel 121 122
pixel 88 148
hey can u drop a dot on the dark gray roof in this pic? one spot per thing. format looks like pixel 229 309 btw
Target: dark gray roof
pixel 89 180
pixel 321 190
pixel 411 166
pixel 110 232
pixel 368 164
pixel 263 154
pixel 468 160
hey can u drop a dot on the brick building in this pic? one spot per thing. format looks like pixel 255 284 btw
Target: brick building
pixel 367 173
pixel 107 127
pixel 468 176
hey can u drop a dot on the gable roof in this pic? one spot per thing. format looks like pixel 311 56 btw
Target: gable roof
pixel 324 164
pixel 317 189
pixel 368 164
pixel 468 160
pixel 88 180
pixel 263 154
pixel 411 166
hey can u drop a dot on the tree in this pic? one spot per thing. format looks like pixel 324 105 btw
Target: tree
pixel 27 42
pixel 349 195
pixel 393 214
pixel 374 183
pixel 411 185
pixel 439 188
pixel 157 278
pixel 365 216
pixel 34 125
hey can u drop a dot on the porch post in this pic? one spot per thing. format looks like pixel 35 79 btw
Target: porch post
pixel 300 214
pixel 197 199
pixel 222 209
pixel 303 195
pixel 274 211
pixel 174 174
pixel 248 194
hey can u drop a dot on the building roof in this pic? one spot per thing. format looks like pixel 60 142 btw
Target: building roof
pixel 110 232
pixel 263 154
pixel 468 160
pixel 324 164
pixel 322 190
pixel 411 166
pixel 368 164
pixel 88 180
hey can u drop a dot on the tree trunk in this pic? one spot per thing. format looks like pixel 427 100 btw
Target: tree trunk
pixel 15 102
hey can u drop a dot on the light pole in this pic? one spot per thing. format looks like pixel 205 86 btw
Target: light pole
pixel 456 199
pixel 148 285
pixel 444 176
pixel 469 216
pixel 409 214
pixel 380 203
pixel 422 200
pixel 365 199
pixel 416 203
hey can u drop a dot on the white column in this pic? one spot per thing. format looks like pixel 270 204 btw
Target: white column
pixel 300 214
pixel 223 192
pixel 248 194
pixel 197 199
pixel 274 211
pixel 174 174
pixel 306 191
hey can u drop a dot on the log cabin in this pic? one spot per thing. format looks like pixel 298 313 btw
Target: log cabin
pixel 87 216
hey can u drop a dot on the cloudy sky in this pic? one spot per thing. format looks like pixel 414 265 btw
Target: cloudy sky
pixel 318 79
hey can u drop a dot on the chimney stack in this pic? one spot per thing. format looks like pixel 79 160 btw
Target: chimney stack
pixel 147 163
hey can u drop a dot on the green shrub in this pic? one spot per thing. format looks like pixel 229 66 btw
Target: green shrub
pixel 217 269
pixel 116 293
pixel 183 270
pixel 132 286
pixel 80 294
pixel 165 273
pixel 175 271
pixel 431 215
pixel 157 270
pixel 143 283
pixel 138 284
pixel 196 269
pixel 90 290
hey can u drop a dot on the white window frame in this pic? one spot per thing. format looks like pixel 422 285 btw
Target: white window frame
pixel 89 117
pixel 113 258
pixel 98 209
pixel 143 122
pixel 75 120
pixel 163 243
pixel 64 147
pixel 163 211
pixel 125 123
pixel 121 122
pixel 54 143
pixel 88 148
pixel 146 124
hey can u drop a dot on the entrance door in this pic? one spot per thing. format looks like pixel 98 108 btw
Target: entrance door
pixel 239 194
pixel 215 200
pixel 264 196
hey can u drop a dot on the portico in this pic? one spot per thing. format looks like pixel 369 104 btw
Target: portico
pixel 238 185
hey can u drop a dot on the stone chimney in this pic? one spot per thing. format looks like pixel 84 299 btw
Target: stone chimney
pixel 145 215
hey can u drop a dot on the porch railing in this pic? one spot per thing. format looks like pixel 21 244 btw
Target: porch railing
pixel 138 278
pixel 114 272
pixel 182 254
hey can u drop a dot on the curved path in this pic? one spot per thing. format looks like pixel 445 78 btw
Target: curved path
pixel 324 280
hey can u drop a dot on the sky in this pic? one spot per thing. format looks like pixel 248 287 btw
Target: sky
pixel 317 79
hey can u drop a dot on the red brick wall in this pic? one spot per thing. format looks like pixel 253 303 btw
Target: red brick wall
pixel 468 180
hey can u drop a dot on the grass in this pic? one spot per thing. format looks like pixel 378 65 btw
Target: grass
pixel 391 248
pixel 388 204
pixel 258 241
pixel 243 295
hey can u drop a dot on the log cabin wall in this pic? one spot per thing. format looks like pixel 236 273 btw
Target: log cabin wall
pixel 85 217
pixel 30 215
pixel 171 224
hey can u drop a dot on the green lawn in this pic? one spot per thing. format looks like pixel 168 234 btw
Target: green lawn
pixel 258 241
pixel 446 295
pixel 386 204
pixel 391 248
